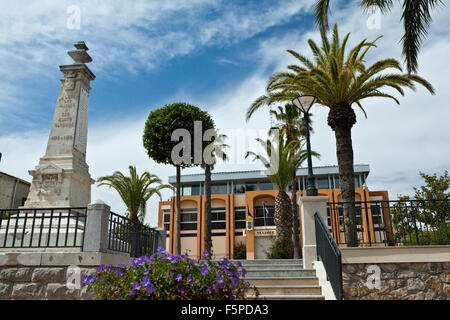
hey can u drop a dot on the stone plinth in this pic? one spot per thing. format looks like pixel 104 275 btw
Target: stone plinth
pixel 62 179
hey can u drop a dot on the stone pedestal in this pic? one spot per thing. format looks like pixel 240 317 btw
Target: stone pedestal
pixel 62 179
pixel 309 206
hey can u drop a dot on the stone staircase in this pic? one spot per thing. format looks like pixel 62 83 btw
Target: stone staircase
pixel 282 280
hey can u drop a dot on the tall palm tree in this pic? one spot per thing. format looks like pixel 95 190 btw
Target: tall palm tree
pixel 290 121
pixel 282 160
pixel 416 17
pixel 215 152
pixel 338 82
pixel 134 190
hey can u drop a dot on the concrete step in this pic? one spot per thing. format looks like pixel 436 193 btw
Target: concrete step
pixel 283 297
pixel 290 290
pixel 264 273
pixel 274 267
pixel 270 261
pixel 277 281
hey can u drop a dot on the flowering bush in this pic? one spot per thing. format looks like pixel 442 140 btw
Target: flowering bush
pixel 163 276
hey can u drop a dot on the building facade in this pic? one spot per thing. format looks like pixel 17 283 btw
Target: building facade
pixel 243 206
pixel 13 191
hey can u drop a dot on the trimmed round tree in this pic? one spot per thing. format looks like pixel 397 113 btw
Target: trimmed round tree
pixel 164 129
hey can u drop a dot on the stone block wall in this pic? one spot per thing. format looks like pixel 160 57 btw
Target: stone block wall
pixel 36 282
pixel 50 276
pixel 398 281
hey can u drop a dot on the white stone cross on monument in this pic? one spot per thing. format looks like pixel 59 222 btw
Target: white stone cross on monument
pixel 62 179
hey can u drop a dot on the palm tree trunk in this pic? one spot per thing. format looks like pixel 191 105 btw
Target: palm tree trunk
pixel 208 240
pixel 178 221
pixel 296 224
pixel 283 216
pixel 341 119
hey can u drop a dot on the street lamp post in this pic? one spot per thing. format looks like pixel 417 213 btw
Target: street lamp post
pixel 304 103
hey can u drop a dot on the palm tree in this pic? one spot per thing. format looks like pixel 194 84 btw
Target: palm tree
pixel 282 160
pixel 134 190
pixel 416 16
pixel 215 150
pixel 290 121
pixel 338 82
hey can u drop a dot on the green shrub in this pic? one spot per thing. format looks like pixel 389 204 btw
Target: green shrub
pixel 282 248
pixel 163 276
pixel 240 251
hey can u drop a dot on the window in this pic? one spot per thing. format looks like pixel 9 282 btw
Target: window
pixel 195 190
pixel 322 183
pixel 357 184
pixel 239 218
pixel 239 188
pixel 264 218
pixel 266 186
pixel 377 216
pixel 218 218
pixel 189 219
pixel 250 187
pixel 186 190
pixel 336 182
pixel 166 219
pixel 219 189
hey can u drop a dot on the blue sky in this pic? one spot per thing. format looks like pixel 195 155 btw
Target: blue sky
pixel 219 56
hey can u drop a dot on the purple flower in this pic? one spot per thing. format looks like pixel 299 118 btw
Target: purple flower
pixel 237 274
pixel 182 291
pixel 234 282
pixel 219 279
pixel 145 282
pixel 189 280
pixel 247 284
pixel 160 249
pixel 204 270
pixel 145 272
pixel 131 293
pixel 179 277
pixel 244 272
pixel 150 288
pixel 215 287
pixel 136 286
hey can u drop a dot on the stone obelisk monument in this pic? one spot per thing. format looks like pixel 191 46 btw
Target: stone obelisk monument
pixel 62 179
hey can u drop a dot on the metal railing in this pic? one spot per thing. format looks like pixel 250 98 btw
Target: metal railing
pixel 330 255
pixel 125 235
pixel 42 228
pixel 394 223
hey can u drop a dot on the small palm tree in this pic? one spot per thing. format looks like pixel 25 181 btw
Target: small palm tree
pixel 338 82
pixel 289 119
pixel 416 16
pixel 215 152
pixel 282 160
pixel 134 190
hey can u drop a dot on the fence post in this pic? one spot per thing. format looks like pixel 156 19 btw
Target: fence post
pixel 96 229
pixel 309 206
pixel 161 238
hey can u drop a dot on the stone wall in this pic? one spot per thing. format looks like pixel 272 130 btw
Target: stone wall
pixel 50 275
pixel 398 281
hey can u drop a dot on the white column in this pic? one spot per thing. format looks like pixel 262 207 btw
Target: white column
pixel 309 206
pixel 96 230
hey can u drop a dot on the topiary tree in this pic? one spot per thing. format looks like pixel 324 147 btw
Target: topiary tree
pixel 163 129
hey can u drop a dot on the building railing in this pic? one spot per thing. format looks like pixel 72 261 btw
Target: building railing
pixel 330 255
pixel 394 223
pixel 42 227
pixel 126 236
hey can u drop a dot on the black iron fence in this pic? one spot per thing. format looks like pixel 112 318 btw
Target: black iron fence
pixel 42 228
pixel 330 255
pixel 393 223
pixel 125 235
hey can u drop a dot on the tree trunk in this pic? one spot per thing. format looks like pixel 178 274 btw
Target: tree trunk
pixel 341 118
pixel 296 223
pixel 178 204
pixel 208 240
pixel 283 216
